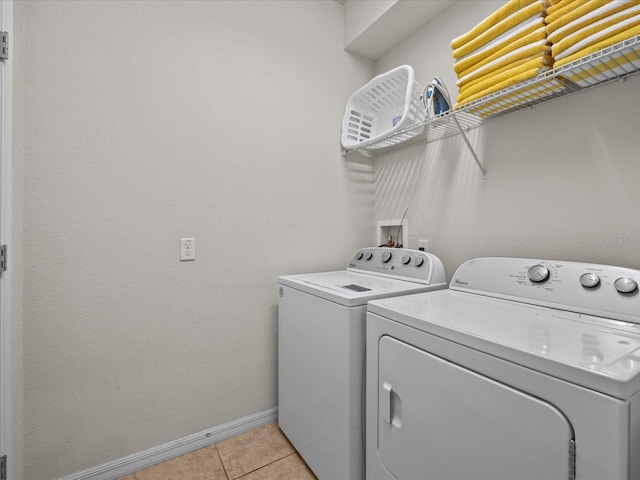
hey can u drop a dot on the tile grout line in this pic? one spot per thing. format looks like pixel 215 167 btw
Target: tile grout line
pixel 226 474
pixel 263 466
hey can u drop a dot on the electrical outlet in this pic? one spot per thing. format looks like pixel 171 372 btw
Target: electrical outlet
pixel 423 245
pixel 187 249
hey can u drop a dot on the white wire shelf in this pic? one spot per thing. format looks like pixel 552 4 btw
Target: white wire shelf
pixel 610 64
pixel 439 127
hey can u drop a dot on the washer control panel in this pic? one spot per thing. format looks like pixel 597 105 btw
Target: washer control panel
pixel 602 290
pixel 538 273
pixel 401 263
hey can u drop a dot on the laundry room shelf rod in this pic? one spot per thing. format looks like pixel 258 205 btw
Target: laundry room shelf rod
pixel 607 65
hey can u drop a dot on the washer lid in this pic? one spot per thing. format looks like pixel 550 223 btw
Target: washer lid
pixel 352 289
pixel 595 352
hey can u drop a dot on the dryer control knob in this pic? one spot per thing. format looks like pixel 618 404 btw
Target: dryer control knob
pixel 368 256
pixel 419 261
pixel 359 255
pixel 589 280
pixel 386 256
pixel 538 273
pixel 406 259
pixel 625 285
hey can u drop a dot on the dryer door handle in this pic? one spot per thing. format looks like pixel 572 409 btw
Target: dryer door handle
pixel 385 402
pixel 391 406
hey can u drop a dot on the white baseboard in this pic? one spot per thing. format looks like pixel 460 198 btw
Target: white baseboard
pixel 137 461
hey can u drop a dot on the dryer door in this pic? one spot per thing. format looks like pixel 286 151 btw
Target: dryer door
pixel 437 420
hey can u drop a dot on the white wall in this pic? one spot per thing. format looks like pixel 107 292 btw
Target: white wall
pixel 149 121
pixel 140 122
pixel 562 177
pixel 358 16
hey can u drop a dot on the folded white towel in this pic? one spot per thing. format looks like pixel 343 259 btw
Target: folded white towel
pixel 479 37
pixel 536 47
pixel 583 39
pixel 607 13
pixel 492 20
pixel 532 24
pixel 513 33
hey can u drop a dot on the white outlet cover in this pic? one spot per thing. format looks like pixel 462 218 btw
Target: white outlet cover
pixel 187 249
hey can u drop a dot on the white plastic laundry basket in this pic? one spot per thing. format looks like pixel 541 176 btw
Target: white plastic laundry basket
pixel 387 104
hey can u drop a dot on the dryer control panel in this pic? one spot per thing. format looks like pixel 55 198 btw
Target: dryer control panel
pixel 401 263
pixel 602 290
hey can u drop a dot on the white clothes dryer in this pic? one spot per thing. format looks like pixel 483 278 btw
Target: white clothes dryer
pixel 522 369
pixel 321 340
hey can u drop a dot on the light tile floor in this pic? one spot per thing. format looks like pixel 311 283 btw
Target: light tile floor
pixel 261 454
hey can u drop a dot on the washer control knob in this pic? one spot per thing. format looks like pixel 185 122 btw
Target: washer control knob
pixel 625 285
pixel 359 255
pixel 589 280
pixel 419 261
pixel 538 273
pixel 386 256
pixel 406 259
pixel 368 256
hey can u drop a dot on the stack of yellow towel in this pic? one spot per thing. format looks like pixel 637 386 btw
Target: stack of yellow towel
pixel 506 48
pixel 527 37
pixel 577 28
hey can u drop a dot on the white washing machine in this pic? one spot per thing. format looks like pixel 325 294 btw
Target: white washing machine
pixel 321 340
pixel 522 369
